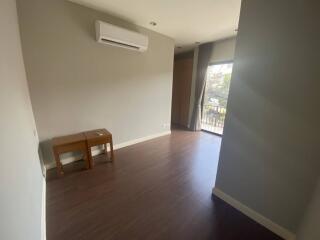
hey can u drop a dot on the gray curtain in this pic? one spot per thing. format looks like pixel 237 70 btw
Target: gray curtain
pixel 205 51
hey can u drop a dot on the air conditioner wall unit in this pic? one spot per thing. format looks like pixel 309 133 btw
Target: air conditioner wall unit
pixel 107 33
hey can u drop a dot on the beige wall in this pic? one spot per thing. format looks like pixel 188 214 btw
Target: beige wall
pixel 77 84
pixel 21 180
pixel 223 50
pixel 309 229
pixel 269 157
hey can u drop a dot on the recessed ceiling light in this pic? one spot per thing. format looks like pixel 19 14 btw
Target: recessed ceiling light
pixel 153 23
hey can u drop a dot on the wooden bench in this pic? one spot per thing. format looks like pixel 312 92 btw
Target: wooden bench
pixel 99 137
pixel 82 142
pixel 70 143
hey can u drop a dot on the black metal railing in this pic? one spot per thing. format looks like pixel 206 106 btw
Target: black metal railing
pixel 213 118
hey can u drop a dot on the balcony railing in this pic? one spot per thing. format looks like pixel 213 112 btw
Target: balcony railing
pixel 213 118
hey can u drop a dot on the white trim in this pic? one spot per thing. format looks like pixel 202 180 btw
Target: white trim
pixel 272 226
pixel 115 147
pixel 43 211
pixel 139 140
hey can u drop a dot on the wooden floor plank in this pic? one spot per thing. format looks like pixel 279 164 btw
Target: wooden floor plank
pixel 159 189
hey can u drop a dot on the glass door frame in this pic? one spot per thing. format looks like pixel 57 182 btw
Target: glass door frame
pixel 202 101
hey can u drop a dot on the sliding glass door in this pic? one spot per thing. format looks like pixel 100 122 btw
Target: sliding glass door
pixel 216 97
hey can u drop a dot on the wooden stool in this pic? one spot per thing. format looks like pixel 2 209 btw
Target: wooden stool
pixel 70 143
pixel 99 137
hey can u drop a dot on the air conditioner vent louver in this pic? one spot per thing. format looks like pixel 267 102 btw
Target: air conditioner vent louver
pixel 120 44
pixel 120 37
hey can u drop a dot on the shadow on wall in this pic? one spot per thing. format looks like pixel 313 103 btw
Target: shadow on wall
pixel 47 153
pixel 41 159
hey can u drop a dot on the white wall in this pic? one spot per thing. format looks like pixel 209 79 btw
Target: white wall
pixel 21 180
pixel 77 84
pixel 269 157
pixel 309 229
pixel 223 50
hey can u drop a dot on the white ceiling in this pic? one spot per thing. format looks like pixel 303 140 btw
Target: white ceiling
pixel 186 21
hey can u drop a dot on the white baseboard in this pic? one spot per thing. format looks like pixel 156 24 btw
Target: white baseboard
pixel 115 147
pixel 139 140
pixel 43 212
pixel 272 226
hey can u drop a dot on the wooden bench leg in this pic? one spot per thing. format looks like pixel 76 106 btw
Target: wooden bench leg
pixel 108 155
pixel 105 149
pixel 89 158
pixel 58 163
pixel 111 149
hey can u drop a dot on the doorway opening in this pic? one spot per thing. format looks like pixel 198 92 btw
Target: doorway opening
pixel 215 99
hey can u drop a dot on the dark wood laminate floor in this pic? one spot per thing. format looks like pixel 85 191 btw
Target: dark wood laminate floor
pixel 159 189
